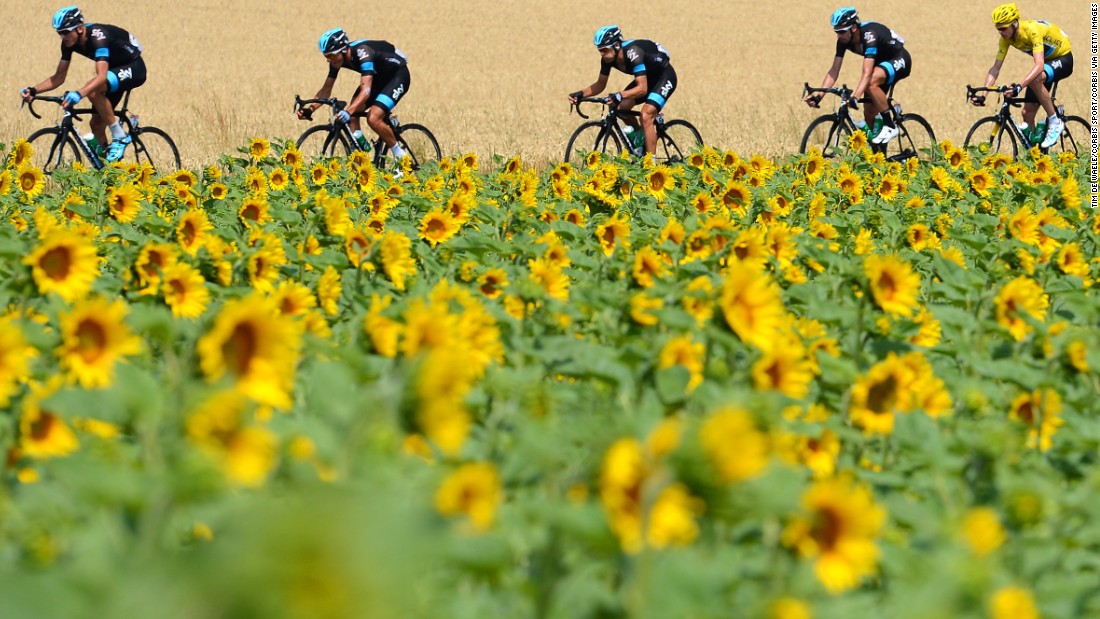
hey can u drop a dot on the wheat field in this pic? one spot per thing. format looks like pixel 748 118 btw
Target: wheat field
pixel 492 77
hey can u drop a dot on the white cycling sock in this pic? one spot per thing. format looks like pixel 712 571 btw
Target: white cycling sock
pixel 117 131
pixel 397 151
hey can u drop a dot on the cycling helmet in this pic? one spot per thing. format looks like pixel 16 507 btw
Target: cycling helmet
pixel 67 18
pixel 607 36
pixel 844 18
pixel 333 41
pixel 1005 14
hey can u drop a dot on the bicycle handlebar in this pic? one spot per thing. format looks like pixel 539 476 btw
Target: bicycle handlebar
pixel 58 100
pixel 605 101
pixel 843 92
pixel 972 93
pixel 300 104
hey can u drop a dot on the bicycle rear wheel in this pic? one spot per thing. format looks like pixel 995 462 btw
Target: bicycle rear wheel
pixel 53 149
pixel 595 133
pixel 153 146
pixel 828 135
pixel 915 139
pixel 991 137
pixel 323 141
pixel 419 143
pixel 675 141
pixel 1075 138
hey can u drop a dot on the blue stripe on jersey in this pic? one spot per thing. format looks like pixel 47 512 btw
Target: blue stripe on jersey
pixel 386 101
pixel 1048 49
pixel 102 52
pixel 626 44
pixel 889 68
pixel 656 98
pixel 870 51
pixel 638 70
pixel 112 81
pixel 367 66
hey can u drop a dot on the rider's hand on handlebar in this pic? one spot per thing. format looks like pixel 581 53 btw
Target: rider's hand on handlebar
pixel 575 97
pixel 813 100
pixel 977 100
pixel 343 116
pixel 615 99
pixel 28 93
pixel 304 113
pixel 71 98
pixel 853 102
pixel 1015 92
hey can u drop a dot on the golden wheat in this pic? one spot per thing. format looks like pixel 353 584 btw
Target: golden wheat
pixel 492 76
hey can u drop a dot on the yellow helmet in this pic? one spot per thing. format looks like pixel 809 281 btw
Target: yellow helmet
pixel 1005 14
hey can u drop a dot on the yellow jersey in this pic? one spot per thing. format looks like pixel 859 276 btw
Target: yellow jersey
pixel 1037 35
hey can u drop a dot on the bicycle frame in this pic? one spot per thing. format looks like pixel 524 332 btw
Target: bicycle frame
pixel 1003 115
pixel 68 130
pixel 344 129
pixel 611 121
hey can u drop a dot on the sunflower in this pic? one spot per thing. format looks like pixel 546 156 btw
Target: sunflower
pixel 575 217
pixel 1041 411
pixel 5 182
pixel 318 174
pixel 659 180
pixel 438 226
pixel 752 305
pixel 192 231
pixel 649 264
pixel 734 445
pixel 278 179
pixel 254 211
pixel 397 260
pixel 550 278
pixel 614 232
pixel 492 283
pixel 1019 297
pixel 259 148
pixel 472 491
pixel 814 166
pixel 622 478
pixel 1071 261
pixel 21 152
pixel 264 269
pixel 837 529
pixel 293 299
pixel 358 249
pixel 247 454
pixel 30 180
pixel 920 237
pixel 184 290
pixel 857 140
pixel 15 356
pixel 256 347
pixel 124 202
pixel 889 187
pixel 94 338
pixel 641 305
pixel 1013 603
pixel 151 261
pixel 42 433
pixel 748 249
pixel 218 191
pixel 685 352
pixel 784 368
pixel 329 291
pixel 292 157
pixel 64 263
pixel 876 396
pixel 894 285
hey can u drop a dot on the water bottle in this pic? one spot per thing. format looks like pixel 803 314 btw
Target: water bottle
pixel 1024 131
pixel 393 121
pixel 1039 133
pixel 89 139
pixel 361 140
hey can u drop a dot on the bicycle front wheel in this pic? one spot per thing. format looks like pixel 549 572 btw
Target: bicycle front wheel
pixel 419 143
pixel 153 146
pixel 991 137
pixel 675 141
pixel 595 133
pixel 915 139
pixel 1075 138
pixel 828 135
pixel 323 141
pixel 53 148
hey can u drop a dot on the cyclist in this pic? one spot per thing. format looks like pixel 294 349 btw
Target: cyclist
pixel 384 79
pixel 118 68
pixel 654 80
pixel 1050 48
pixel 885 63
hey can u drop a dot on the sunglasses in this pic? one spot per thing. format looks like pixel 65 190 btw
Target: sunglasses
pixel 1004 28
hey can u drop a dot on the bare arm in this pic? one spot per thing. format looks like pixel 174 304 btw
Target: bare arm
pixel 1036 68
pixel 994 72
pixel 865 78
pixel 641 87
pixel 358 103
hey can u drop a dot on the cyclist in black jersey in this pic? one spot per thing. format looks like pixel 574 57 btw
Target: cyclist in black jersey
pixel 118 69
pixel 654 78
pixel 384 80
pixel 885 63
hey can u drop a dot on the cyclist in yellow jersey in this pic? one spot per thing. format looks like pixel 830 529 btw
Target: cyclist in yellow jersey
pixel 1050 48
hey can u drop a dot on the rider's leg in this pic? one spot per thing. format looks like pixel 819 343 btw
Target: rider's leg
pixel 1028 114
pixel 104 115
pixel 1038 88
pixel 649 125
pixel 376 118
pixel 877 95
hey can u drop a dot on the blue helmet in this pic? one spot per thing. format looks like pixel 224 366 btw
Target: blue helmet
pixel 844 18
pixel 67 18
pixel 607 36
pixel 333 41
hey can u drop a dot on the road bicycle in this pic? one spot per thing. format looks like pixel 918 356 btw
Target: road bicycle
pixel 830 132
pixel 675 138
pixel 62 145
pixel 334 138
pixel 999 133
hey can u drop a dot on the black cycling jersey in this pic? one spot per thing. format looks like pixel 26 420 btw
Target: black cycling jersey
pixel 879 43
pixel 104 42
pixel 376 58
pixel 640 57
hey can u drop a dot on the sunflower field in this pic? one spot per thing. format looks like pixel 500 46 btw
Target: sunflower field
pixel 736 387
